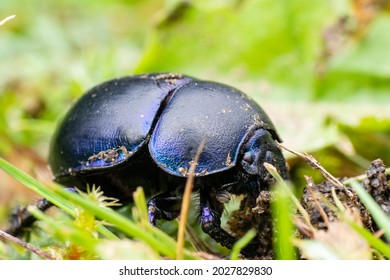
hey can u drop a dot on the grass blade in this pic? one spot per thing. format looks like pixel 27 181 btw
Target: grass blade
pixel 150 235
pixel 282 206
pixel 36 186
pixel 47 192
pixel 377 213
pixel 374 241
pixel 241 243
pixel 282 209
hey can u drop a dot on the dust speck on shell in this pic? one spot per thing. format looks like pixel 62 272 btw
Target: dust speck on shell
pixel 169 78
pixel 110 155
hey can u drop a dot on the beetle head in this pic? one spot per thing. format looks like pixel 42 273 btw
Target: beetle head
pixel 261 148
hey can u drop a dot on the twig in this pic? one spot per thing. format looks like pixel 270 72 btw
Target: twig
pixel 7 19
pixel 27 246
pixel 316 165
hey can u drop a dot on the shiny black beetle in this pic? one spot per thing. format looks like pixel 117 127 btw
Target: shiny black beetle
pixel 145 131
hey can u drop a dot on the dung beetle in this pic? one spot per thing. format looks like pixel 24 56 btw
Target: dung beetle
pixel 145 131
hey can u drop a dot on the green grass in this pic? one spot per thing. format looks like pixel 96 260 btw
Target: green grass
pixel 82 235
pixel 84 210
pixel 326 96
pixel 379 216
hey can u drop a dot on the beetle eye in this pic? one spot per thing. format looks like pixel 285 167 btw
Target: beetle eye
pixel 248 157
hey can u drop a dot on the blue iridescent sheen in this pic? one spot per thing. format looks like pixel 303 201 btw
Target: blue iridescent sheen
pixel 146 130
pixel 116 113
pixel 219 114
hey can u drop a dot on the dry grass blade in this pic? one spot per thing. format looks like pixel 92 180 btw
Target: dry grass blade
pixel 304 228
pixel 186 201
pixel 25 245
pixel 196 241
pixel 7 19
pixel 319 207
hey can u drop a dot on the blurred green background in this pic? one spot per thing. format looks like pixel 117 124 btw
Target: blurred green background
pixel 321 69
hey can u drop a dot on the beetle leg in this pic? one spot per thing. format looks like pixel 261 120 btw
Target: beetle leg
pixel 164 206
pixel 210 219
pixel 21 218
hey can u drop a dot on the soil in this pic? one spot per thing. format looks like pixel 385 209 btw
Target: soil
pixel 376 182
